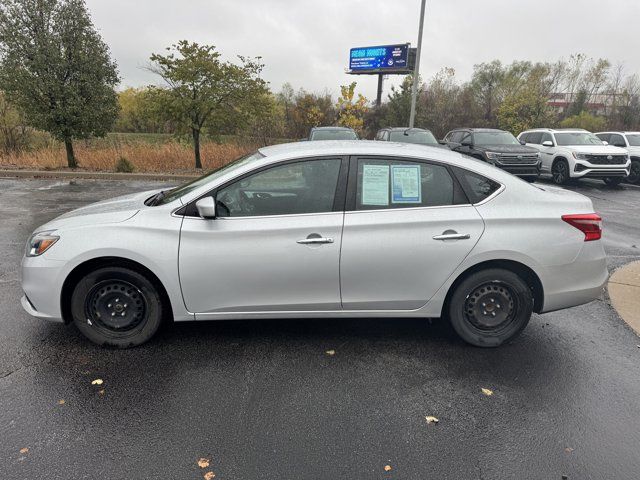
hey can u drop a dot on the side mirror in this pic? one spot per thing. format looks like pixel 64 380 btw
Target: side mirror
pixel 206 208
pixel 604 142
pixel 547 143
pixel 522 142
pixel 467 143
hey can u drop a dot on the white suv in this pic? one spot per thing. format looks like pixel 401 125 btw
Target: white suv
pixel 576 153
pixel 631 142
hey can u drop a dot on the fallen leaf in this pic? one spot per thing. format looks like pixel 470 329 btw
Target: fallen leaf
pixel 487 392
pixel 387 468
pixel 209 475
pixel 431 419
pixel 568 450
pixel 101 392
pixel 61 401
pixel 203 462
pixel 331 353
pixel 97 381
pixel 24 450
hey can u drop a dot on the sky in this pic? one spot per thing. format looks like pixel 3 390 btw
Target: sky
pixel 306 42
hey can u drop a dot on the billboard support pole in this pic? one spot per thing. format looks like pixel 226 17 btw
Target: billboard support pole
pixel 416 72
pixel 379 96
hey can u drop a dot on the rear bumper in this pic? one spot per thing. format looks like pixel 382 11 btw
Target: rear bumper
pixel 576 283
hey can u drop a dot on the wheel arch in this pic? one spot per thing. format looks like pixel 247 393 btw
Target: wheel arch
pixel 523 271
pixel 87 266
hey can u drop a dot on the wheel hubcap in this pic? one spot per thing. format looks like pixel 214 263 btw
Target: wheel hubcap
pixel 490 306
pixel 634 175
pixel 115 305
pixel 559 174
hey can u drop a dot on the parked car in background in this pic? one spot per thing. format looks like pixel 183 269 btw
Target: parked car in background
pixel 321 229
pixel 332 133
pixel 498 148
pixel 631 142
pixel 575 153
pixel 407 135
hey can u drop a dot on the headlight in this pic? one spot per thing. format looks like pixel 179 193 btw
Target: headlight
pixel 580 156
pixel 493 156
pixel 40 243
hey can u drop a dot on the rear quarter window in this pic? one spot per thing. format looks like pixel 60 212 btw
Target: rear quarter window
pixel 477 187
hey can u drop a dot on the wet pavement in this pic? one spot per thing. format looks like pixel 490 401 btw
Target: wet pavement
pixel 264 399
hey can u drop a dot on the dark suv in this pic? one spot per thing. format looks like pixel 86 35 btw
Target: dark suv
pixel 498 148
pixel 407 135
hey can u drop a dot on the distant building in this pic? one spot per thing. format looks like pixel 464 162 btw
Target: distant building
pixel 598 104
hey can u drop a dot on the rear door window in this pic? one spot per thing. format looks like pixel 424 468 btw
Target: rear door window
pixel 388 184
pixel 535 138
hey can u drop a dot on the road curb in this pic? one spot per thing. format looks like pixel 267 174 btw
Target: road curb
pixel 624 292
pixel 94 175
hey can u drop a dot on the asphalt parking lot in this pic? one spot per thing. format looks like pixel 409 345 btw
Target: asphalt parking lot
pixel 264 400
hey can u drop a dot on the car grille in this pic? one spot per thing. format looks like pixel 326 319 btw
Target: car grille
pixel 607 159
pixel 518 159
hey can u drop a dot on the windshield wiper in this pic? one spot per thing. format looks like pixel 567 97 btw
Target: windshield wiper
pixel 153 201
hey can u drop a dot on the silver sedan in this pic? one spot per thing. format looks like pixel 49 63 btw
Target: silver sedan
pixel 321 229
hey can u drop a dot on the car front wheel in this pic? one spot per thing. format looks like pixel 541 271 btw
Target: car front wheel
pixel 560 172
pixel 117 307
pixel 490 307
pixel 634 174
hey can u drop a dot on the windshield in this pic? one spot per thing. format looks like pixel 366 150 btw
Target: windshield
pixel 634 140
pixel 334 135
pixel 494 138
pixel 577 138
pixel 182 190
pixel 422 137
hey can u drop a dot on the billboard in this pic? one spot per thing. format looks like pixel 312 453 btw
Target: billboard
pixel 380 58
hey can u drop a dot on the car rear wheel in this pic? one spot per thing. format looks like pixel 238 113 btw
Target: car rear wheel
pixel 560 172
pixel 116 306
pixel 634 174
pixel 490 307
pixel 613 181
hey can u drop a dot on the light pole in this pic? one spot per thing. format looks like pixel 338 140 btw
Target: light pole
pixel 416 72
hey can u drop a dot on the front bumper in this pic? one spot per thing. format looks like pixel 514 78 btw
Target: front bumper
pixel 42 283
pixel 587 170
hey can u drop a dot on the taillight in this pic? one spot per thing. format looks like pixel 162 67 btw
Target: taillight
pixel 589 223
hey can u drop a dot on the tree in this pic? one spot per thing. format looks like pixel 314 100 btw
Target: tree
pixel 351 111
pixel 14 135
pixel 205 92
pixel 56 69
pixel 585 120
pixel 140 111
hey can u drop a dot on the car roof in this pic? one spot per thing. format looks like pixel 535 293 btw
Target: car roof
pixel 477 130
pixel 557 130
pixel 333 128
pixel 404 129
pixel 619 132
pixel 354 147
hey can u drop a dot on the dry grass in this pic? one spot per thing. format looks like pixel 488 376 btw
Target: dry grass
pixel 171 156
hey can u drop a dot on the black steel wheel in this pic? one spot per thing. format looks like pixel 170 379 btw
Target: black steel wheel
pixel 116 306
pixel 560 172
pixel 490 307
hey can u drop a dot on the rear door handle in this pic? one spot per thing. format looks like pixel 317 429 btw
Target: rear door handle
pixel 453 236
pixel 315 241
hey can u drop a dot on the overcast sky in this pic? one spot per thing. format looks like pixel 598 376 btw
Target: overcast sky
pixel 307 42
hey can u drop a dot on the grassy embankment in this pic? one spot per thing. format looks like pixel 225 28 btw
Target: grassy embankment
pixel 145 152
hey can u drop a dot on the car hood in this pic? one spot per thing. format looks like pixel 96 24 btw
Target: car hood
pixel 597 149
pixel 523 149
pixel 114 210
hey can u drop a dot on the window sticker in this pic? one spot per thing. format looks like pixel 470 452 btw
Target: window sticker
pixel 406 185
pixel 375 185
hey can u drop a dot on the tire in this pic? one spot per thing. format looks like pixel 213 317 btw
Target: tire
pixel 477 307
pixel 117 307
pixel 560 172
pixel 634 175
pixel 613 181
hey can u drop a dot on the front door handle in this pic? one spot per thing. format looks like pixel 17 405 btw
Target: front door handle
pixel 311 240
pixel 453 236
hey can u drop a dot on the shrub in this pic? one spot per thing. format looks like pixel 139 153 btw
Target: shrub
pixel 124 166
